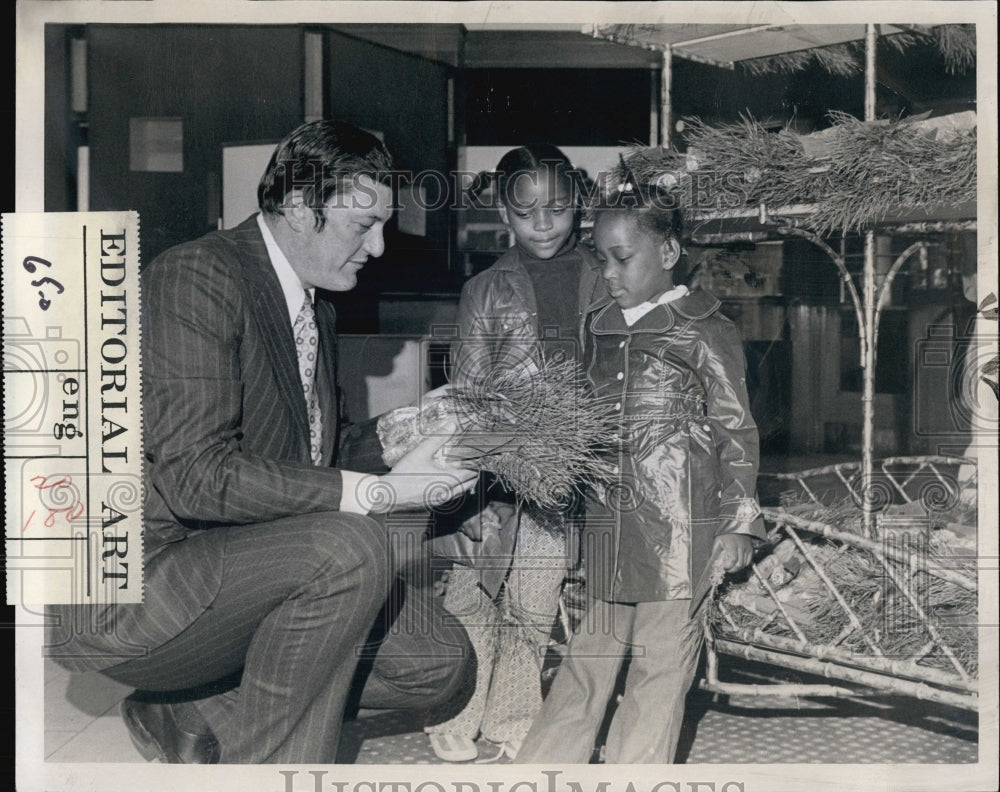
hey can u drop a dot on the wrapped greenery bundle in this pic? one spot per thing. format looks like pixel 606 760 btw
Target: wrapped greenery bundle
pixel 540 432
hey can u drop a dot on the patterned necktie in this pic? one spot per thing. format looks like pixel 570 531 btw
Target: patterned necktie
pixel 306 348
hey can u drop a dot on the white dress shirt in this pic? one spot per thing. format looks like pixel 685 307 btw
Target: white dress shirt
pixel 294 292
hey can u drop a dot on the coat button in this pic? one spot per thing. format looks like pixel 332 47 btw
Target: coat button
pixel 707 428
pixel 621 344
pixel 618 406
pixel 621 375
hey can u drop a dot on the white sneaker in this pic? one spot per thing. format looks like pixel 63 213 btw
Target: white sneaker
pixel 453 747
pixel 508 749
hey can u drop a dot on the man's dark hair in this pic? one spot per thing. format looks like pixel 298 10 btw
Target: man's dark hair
pixel 321 158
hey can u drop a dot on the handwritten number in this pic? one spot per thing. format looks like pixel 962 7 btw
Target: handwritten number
pixel 29 264
pixel 42 482
pixel 72 513
pixel 55 283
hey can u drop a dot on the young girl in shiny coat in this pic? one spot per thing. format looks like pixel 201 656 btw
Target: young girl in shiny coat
pixel 686 458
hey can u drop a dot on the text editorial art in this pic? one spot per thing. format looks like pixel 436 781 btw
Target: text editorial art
pixel 72 416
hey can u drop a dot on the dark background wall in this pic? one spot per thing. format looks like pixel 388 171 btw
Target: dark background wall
pixel 62 136
pixel 571 107
pixel 237 84
pixel 405 97
pixel 227 83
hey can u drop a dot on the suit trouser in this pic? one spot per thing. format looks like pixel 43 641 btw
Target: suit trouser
pixel 664 644
pixel 293 616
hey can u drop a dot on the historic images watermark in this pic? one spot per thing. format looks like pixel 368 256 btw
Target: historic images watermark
pixel 432 190
pixel 544 781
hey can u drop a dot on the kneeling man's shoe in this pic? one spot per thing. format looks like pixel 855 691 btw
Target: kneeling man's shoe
pixel 154 731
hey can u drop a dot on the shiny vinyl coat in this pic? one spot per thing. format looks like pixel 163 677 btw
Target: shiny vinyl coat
pixel 498 323
pixel 687 455
pixel 498 328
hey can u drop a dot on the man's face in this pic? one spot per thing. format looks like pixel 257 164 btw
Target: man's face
pixel 329 258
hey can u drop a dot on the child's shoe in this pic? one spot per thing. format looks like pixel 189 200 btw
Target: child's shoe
pixel 453 747
pixel 511 748
pixel 508 749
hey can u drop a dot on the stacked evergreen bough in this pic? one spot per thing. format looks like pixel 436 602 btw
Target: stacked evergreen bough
pixel 850 176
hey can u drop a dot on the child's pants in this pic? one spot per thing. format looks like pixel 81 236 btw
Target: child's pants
pixel 509 637
pixel 665 645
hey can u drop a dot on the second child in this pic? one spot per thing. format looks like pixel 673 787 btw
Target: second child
pixel 526 308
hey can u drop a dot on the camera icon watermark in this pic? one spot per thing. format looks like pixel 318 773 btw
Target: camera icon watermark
pixel 42 380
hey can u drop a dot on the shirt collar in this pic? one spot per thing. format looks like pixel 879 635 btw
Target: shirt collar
pixel 633 315
pixel 291 286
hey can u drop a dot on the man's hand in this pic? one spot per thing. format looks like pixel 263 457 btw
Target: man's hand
pixel 737 550
pixel 434 395
pixel 422 477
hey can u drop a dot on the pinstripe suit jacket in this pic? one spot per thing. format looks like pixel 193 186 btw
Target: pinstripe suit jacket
pixel 225 424
pixel 225 431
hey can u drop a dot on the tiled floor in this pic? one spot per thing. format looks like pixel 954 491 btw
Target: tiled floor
pixel 81 718
pixel 82 725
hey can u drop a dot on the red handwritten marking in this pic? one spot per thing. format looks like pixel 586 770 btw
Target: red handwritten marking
pixel 73 512
pixel 62 483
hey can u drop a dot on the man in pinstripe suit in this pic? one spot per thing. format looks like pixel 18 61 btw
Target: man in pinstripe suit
pixel 264 571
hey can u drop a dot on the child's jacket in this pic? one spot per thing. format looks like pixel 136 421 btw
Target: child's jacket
pixel 498 315
pixel 499 328
pixel 687 454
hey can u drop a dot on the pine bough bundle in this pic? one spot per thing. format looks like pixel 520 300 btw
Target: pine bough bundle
pixel 539 431
pixel 850 176
pixel 955 44
pixel 897 614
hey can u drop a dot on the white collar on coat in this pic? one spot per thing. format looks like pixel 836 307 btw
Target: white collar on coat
pixel 633 315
